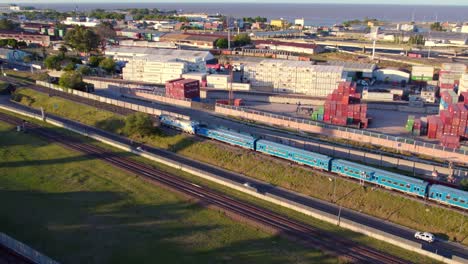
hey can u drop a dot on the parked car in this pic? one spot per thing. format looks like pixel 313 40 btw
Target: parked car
pixel 425 236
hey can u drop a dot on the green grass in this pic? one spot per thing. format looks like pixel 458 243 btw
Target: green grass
pixel 77 209
pixel 3 87
pixel 376 202
pixel 385 247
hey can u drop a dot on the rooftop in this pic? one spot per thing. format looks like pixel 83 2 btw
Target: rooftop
pixel 354 66
pixel 282 43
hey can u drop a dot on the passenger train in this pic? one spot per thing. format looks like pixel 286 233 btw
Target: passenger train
pixel 417 187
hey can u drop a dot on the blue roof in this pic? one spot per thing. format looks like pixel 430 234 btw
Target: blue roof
pixel 298 150
pixel 234 134
pixel 449 189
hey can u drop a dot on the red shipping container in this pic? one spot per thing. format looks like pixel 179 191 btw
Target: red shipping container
pixel 463 111
pixel 446 85
pixel 183 88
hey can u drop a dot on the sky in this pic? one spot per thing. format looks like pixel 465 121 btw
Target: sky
pixel 397 2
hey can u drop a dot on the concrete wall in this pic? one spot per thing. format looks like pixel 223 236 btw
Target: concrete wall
pixel 426 149
pixel 135 107
pixel 348 224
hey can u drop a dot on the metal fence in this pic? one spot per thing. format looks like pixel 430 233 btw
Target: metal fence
pixel 347 129
pixel 24 250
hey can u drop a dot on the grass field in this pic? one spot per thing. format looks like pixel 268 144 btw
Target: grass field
pixel 371 201
pixel 76 209
pixel 385 247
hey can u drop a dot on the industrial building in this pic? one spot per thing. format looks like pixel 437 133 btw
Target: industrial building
pixel 204 41
pixel 306 48
pixel 81 21
pixel 391 75
pixel 355 70
pixel 294 76
pixel 159 65
pixel 280 23
pixel 36 38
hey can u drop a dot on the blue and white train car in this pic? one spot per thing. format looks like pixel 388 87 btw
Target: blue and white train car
pixel 353 170
pixel 294 154
pixel 230 137
pixel 400 182
pixel 181 124
pixel 447 195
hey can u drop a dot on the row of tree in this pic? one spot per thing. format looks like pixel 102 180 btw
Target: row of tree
pixel 238 41
pixel 12 43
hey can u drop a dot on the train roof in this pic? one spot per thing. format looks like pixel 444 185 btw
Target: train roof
pixel 449 189
pixel 235 134
pixel 382 172
pixel 305 152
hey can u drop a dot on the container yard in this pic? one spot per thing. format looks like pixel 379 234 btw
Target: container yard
pixel 450 75
pixel 183 89
pixel 463 86
pixel 343 107
pixel 295 77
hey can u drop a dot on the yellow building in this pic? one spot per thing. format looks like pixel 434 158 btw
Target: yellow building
pixel 281 23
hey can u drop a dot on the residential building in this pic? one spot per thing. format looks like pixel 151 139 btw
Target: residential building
pixel 299 22
pixel 10 8
pixel 464 28
pixel 279 23
pixel 294 47
pixel 294 76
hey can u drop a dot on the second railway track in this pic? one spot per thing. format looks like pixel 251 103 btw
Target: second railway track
pixel 308 235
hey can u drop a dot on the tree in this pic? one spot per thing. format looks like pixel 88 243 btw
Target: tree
pixel 464 184
pixel 82 39
pixel 242 40
pixel 105 31
pixel 6 24
pixel 108 64
pixel 12 43
pixel 94 61
pixel 3 42
pixel 222 43
pixel 138 124
pixel 63 50
pixel 72 80
pixel 84 70
pixel 69 67
pixel 53 62
pixel 22 44
pixel 436 27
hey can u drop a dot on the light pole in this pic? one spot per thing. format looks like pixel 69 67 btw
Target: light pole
pixel 334 188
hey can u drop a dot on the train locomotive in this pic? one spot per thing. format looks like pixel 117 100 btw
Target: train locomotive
pixel 394 181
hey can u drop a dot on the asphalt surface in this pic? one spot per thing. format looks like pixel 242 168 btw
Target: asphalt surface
pixel 445 248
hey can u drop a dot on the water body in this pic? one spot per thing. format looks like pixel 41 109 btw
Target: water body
pixel 314 14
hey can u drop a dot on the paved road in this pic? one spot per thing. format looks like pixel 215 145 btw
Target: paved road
pixel 444 248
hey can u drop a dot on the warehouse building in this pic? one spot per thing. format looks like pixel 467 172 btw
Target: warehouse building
pixel 391 75
pixel 306 48
pixel 355 70
pixel 159 65
pixel 202 41
pixel 294 76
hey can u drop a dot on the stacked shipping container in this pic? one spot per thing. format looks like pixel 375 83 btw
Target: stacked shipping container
pixel 450 74
pixel 183 89
pixel 416 126
pixel 343 107
pixel 422 73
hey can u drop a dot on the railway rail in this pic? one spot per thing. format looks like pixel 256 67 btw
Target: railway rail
pixel 308 235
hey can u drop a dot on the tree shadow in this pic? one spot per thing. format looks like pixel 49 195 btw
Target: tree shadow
pixel 24 163
pixel 112 124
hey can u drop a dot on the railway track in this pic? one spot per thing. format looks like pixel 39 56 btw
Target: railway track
pixel 306 234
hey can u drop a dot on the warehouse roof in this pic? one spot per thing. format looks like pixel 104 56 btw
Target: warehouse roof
pixel 354 66
pixel 142 51
pixel 282 43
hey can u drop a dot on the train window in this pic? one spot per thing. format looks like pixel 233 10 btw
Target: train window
pixel 384 180
pixel 455 199
pixel 447 197
pixel 346 169
pixel 408 186
pixel 401 184
pixel 462 201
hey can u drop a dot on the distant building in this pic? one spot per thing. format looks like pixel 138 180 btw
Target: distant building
pixel 194 16
pixel 294 76
pixel 294 47
pixel 43 40
pixel 299 21
pixel 464 28
pixel 280 23
pixel 257 25
pixel 81 21
pixel 10 8
pixel 202 41
pixel 407 27
pixel 128 17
